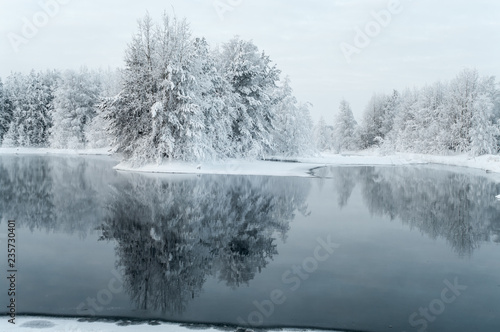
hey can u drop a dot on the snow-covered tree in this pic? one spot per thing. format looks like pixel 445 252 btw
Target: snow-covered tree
pixel 459 116
pixel 217 100
pixel 323 135
pixel 402 136
pixel 74 103
pixel 31 97
pixel 129 113
pixel 294 127
pixel 345 127
pixel 169 88
pixel 96 133
pixel 178 117
pixel 390 109
pixel 253 78
pixel 463 91
pixel 181 100
pixel 483 131
pixel 5 112
pixel 370 130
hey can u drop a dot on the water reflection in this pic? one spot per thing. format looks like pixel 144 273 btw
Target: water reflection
pixel 173 233
pixel 173 236
pixel 458 207
pixel 57 194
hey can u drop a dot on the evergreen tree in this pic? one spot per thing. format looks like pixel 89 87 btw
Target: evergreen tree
pixel 74 108
pixel 345 128
pixel 323 135
pixel 179 100
pixel 483 132
pixel 160 112
pixel 253 79
pixel 31 98
pixel 389 113
pixel 218 102
pixel 5 112
pixel 371 127
pixel 294 128
pixel 463 92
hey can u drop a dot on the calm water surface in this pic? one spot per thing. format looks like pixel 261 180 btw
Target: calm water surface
pixel 357 248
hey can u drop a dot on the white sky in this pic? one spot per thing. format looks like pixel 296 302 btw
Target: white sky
pixel 427 41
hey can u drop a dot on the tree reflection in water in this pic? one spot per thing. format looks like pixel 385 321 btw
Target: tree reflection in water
pixel 173 233
pixel 56 194
pixel 458 207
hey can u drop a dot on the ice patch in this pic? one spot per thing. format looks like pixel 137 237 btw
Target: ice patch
pixel 38 324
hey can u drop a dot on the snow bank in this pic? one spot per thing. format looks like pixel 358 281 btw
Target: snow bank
pixel 288 166
pixel 30 324
pixel 490 163
pixel 302 166
pixel 38 151
pixel 229 167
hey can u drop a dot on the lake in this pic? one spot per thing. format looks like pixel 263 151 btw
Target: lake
pixel 412 248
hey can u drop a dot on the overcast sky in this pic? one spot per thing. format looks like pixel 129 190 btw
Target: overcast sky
pixel 420 42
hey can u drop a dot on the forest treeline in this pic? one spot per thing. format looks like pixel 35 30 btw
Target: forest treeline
pixel 176 98
pixel 179 98
pixel 460 116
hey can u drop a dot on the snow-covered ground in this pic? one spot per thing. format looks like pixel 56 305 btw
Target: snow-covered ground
pixel 302 166
pixel 299 166
pixel 227 167
pixel 39 151
pixel 490 163
pixel 31 324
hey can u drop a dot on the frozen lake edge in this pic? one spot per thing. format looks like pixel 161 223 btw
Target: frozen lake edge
pixel 59 324
pixel 283 166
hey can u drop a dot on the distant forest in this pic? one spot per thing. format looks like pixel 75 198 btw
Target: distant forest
pixel 179 98
pixel 461 116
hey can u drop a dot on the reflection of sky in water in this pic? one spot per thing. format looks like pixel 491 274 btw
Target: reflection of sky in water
pixel 225 242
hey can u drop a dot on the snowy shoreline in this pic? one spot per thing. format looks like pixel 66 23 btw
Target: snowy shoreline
pixel 57 324
pixel 51 151
pixel 300 167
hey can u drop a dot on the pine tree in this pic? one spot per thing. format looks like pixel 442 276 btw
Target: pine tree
pixel 253 79
pixel 75 99
pixel 5 112
pixel 463 92
pixel 182 101
pixel 389 113
pixel 402 136
pixel 294 129
pixel 483 131
pixel 31 98
pixel 345 128
pixel 218 103
pixel 96 133
pixel 129 113
pixel 323 135
pixel 167 95
pixel 371 129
